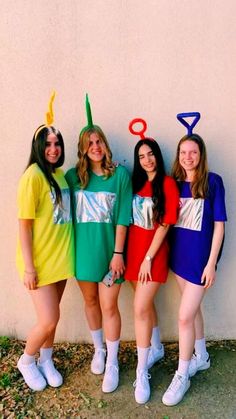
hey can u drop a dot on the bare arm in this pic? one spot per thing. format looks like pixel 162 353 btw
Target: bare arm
pixel 117 262
pixel 25 235
pixel 210 269
pixel 145 267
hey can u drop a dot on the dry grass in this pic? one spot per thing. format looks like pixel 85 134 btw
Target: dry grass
pixel 80 396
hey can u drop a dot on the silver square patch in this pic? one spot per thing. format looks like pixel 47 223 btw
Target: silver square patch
pixel 62 212
pixel 191 213
pixel 94 207
pixel 142 212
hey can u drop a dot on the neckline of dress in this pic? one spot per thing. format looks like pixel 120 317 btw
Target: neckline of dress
pixel 95 174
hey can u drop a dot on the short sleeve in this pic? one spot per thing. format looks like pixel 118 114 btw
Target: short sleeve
pixel 28 195
pixel 217 193
pixel 171 193
pixel 124 197
pixel 70 177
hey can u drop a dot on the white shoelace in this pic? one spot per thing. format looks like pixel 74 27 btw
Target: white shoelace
pixel 142 377
pixel 110 367
pixel 33 370
pixel 176 383
pixel 100 351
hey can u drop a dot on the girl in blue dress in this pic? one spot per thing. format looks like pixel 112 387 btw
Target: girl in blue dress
pixel 196 242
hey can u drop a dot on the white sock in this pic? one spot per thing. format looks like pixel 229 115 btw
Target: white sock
pixel 183 367
pixel 97 337
pixel 45 354
pixel 156 339
pixel 200 348
pixel 28 359
pixel 142 358
pixel 112 351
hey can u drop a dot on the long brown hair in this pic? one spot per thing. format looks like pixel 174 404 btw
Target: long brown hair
pixel 83 165
pixel 199 186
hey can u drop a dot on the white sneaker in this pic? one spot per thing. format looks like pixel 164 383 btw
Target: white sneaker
pixel 176 390
pixel 32 375
pixel 48 370
pixel 155 355
pixel 98 361
pixel 198 364
pixel 142 386
pixel 111 378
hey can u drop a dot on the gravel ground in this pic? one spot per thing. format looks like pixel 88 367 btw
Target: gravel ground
pixel 212 394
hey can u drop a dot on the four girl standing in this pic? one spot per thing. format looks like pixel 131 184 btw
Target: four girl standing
pixel 101 194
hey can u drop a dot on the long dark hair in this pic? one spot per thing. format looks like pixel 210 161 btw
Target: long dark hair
pixel 37 155
pixel 139 178
pixel 199 186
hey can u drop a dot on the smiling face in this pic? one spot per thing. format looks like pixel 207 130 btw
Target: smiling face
pixel 147 161
pixel 53 149
pixel 189 157
pixel 96 149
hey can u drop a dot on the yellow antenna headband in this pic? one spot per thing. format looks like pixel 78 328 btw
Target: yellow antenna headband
pixel 49 115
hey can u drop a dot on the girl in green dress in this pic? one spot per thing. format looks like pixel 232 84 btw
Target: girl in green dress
pixel 101 194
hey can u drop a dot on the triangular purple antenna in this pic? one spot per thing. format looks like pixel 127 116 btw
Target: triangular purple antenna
pixel 195 115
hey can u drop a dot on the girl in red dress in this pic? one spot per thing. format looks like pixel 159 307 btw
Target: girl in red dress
pixel 155 208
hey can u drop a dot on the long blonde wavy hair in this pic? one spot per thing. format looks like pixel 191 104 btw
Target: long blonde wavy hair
pixel 199 186
pixel 83 165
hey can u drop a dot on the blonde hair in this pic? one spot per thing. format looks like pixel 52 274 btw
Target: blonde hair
pixel 199 186
pixel 83 165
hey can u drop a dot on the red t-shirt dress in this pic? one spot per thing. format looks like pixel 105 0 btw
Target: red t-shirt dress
pixel 140 237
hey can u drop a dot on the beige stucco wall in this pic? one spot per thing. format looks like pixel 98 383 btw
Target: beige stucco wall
pixel 152 59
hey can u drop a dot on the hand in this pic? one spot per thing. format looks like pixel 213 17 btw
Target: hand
pixel 145 275
pixel 208 276
pixel 30 280
pixel 117 266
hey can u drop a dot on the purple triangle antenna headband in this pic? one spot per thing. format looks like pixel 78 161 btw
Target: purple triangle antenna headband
pixel 142 129
pixel 195 115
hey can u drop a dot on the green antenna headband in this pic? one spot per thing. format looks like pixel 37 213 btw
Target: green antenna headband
pixel 89 116
pixel 88 112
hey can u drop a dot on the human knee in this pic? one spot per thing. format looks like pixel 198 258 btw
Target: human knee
pixel 109 309
pixel 50 324
pixel 186 320
pixel 91 301
pixel 141 312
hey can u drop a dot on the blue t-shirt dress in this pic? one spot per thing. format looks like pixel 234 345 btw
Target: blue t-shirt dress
pixel 191 236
